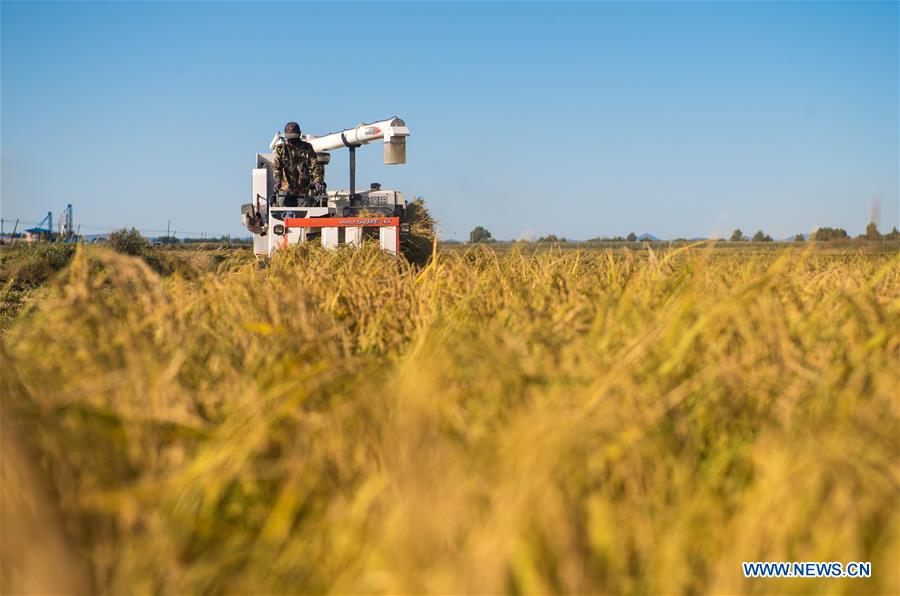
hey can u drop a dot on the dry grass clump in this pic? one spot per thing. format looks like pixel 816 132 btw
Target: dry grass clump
pixel 24 268
pixel 580 422
pixel 420 244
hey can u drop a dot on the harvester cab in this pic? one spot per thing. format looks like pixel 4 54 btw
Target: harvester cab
pixel 337 217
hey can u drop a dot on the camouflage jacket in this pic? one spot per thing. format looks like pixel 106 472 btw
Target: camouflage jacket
pixel 296 168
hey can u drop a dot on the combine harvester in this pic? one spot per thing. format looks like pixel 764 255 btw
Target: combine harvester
pixel 336 217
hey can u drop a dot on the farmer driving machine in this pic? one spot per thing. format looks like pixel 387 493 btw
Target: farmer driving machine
pixel 334 217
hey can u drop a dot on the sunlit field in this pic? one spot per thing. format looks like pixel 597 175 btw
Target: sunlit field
pixel 637 420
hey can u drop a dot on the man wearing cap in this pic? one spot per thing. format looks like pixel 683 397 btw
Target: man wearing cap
pixel 296 168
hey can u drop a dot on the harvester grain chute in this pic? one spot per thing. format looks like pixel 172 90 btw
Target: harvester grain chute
pixel 336 217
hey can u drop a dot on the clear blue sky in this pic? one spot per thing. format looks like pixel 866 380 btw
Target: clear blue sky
pixel 581 119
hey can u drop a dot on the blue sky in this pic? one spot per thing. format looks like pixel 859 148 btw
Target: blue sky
pixel 579 119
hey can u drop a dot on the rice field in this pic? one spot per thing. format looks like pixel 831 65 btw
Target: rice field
pixel 606 421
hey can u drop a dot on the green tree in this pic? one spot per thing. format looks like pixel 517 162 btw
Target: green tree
pixel 799 238
pixel 826 234
pixel 872 232
pixel 737 235
pixel 759 236
pixel 894 234
pixel 632 237
pixel 480 234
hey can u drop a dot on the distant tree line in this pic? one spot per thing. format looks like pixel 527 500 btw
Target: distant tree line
pixel 632 237
pixel 759 236
pixel 224 239
pixel 551 238
pixel 481 234
pixel 825 234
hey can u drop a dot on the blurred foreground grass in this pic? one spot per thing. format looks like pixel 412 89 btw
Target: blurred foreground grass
pixel 559 422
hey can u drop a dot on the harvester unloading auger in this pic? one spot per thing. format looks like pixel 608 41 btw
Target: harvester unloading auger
pixel 336 217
